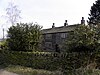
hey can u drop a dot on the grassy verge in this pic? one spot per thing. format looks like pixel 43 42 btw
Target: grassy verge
pixel 29 71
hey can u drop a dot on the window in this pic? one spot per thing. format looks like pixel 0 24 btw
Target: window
pixel 63 35
pixel 48 44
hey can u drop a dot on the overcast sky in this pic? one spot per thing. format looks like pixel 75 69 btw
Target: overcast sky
pixel 46 12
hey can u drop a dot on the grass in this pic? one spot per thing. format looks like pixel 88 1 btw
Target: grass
pixel 21 70
pixel 29 71
pixel 84 71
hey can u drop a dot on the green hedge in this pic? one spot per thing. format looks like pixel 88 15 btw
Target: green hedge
pixel 46 60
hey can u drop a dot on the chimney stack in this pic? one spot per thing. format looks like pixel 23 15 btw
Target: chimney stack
pixel 53 26
pixel 65 24
pixel 83 21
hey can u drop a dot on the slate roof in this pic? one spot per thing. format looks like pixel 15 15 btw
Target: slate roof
pixel 59 29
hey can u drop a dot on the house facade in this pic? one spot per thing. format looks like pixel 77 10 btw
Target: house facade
pixel 54 38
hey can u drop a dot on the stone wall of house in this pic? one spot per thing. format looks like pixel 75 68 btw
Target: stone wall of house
pixel 52 39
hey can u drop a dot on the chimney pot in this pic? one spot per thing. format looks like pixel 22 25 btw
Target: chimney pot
pixel 83 21
pixel 65 21
pixel 65 24
pixel 53 25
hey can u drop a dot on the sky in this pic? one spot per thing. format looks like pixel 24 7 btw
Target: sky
pixel 46 12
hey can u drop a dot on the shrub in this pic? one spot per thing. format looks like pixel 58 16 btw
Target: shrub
pixel 24 37
pixel 82 39
pixel 45 60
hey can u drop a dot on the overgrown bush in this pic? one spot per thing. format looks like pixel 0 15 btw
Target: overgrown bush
pixel 24 37
pixel 82 39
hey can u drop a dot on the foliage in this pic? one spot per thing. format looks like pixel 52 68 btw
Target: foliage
pixel 82 39
pixel 63 62
pixel 24 37
pixel 94 16
pixel 3 44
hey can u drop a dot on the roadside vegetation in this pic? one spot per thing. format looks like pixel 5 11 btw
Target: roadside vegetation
pixel 66 63
pixel 30 71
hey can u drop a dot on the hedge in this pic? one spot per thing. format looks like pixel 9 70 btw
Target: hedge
pixel 46 60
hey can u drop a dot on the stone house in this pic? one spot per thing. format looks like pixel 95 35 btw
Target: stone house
pixel 55 37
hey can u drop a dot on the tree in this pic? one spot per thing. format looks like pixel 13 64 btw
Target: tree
pixel 12 13
pixel 94 16
pixel 24 37
pixel 82 39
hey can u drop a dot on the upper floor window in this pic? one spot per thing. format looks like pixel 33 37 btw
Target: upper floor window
pixel 63 35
